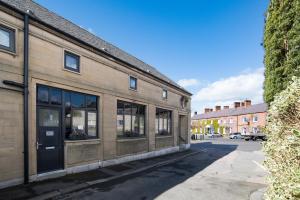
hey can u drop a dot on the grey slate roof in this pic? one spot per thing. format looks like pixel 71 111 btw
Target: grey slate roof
pixel 257 108
pixel 85 36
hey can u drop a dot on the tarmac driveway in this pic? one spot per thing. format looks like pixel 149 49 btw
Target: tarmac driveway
pixel 224 169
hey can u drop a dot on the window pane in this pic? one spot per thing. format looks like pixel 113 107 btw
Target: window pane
pixel 120 119
pixel 161 123
pixel 78 125
pixel 4 38
pixel 91 101
pixel 43 94
pixel 142 125
pixel 92 124
pixel 169 122
pixel 165 94
pixel 141 112
pixel 133 83
pixel 49 118
pixel 78 100
pixel 135 120
pixel 67 103
pixel 156 123
pixel 165 121
pixel 55 95
pixel 72 61
pixel 127 116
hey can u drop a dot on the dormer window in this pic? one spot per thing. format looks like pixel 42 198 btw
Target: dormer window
pixel 133 83
pixel 72 61
pixel 7 38
pixel 165 94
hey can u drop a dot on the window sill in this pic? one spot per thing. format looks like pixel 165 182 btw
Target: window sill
pixel 131 89
pixel 68 70
pixel 131 139
pixel 8 52
pixel 90 141
pixel 163 136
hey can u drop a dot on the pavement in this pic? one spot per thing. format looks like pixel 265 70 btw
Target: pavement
pixel 49 189
pixel 213 169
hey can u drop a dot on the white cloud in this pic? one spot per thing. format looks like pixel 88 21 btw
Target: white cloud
pixel 188 82
pixel 247 85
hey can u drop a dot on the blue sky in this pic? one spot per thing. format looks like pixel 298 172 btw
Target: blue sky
pixel 211 47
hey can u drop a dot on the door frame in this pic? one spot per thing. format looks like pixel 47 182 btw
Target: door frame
pixel 62 156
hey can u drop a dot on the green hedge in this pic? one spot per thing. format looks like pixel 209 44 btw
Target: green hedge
pixel 282 46
pixel 283 145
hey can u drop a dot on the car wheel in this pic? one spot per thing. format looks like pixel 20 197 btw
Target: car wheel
pixel 234 137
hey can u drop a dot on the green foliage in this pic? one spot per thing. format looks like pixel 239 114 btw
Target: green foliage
pixel 282 46
pixel 283 145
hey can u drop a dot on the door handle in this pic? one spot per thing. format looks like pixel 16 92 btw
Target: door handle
pixel 37 145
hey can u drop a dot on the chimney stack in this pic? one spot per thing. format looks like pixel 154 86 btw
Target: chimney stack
pixel 218 108
pixel 211 110
pixel 225 107
pixel 206 110
pixel 247 103
pixel 237 104
pixel 242 104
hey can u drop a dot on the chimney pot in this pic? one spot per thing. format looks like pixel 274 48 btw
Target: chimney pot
pixel 247 103
pixel 206 110
pixel 218 108
pixel 237 104
pixel 226 107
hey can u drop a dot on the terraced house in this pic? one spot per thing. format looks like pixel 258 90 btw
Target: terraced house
pixel 243 117
pixel 71 102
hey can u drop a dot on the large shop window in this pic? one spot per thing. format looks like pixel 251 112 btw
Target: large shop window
pixel 130 120
pixel 163 122
pixel 79 111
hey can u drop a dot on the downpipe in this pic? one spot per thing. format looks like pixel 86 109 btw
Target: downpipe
pixel 25 99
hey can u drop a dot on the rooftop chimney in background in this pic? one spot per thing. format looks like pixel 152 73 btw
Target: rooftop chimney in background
pixel 206 110
pixel 218 108
pixel 225 107
pixel 237 104
pixel 242 104
pixel 247 103
pixel 211 110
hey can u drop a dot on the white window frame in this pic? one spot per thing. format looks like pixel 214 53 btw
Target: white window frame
pixel 255 117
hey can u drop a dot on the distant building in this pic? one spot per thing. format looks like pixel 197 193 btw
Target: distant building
pixel 243 117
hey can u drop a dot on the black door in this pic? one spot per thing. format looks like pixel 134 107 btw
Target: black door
pixel 49 140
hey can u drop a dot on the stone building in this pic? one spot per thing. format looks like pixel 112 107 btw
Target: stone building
pixel 243 117
pixel 71 102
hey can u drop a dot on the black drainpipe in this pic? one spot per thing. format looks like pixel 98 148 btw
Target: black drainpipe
pixel 25 103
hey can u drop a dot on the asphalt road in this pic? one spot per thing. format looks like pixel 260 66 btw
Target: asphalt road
pixel 224 169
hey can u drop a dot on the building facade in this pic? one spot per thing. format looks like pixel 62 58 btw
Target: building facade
pixel 243 117
pixel 71 102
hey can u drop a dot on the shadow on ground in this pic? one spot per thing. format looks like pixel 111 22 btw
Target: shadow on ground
pixel 150 184
pixel 145 185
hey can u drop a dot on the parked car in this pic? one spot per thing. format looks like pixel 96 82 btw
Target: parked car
pixel 214 135
pixel 236 136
